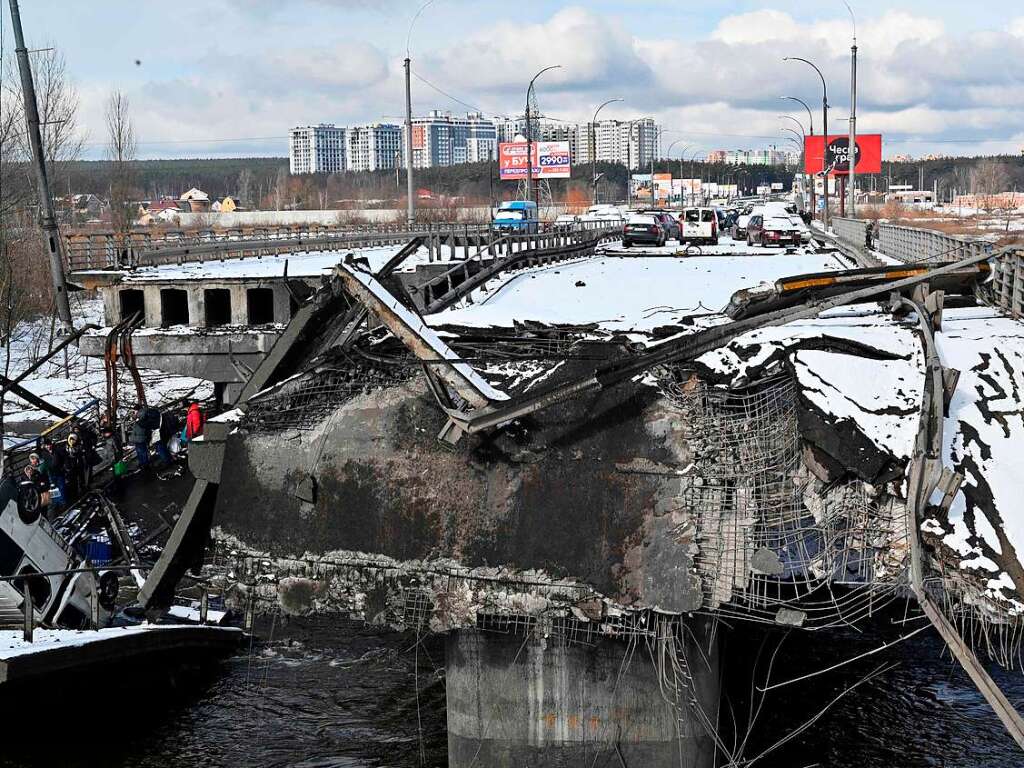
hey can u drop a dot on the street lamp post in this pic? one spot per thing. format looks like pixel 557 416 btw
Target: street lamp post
pixel 593 147
pixel 668 154
pixel 531 193
pixel 411 201
pixel 810 132
pixel 852 150
pixel 824 130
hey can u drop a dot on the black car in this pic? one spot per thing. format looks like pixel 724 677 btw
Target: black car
pixel 643 229
pixel 668 222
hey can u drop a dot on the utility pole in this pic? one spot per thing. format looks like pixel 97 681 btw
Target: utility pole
pixel 48 219
pixel 410 216
pixel 531 193
pixel 853 119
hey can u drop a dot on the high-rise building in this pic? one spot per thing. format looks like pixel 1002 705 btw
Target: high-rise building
pixel 631 142
pixel 482 139
pixel 439 139
pixel 316 149
pixel 373 147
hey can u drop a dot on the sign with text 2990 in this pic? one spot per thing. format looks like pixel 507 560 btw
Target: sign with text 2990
pixel 551 160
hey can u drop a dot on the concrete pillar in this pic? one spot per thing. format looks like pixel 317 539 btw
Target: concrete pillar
pixel 543 703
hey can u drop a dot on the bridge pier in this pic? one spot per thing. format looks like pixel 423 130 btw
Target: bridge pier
pixel 542 702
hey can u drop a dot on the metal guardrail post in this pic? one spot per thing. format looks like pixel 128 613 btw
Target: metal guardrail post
pixel 30 614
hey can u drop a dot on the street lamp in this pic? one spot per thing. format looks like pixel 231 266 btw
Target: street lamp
pixel 810 132
pixel 824 123
pixel 668 154
pixel 593 147
pixel 852 149
pixel 530 191
pixel 411 202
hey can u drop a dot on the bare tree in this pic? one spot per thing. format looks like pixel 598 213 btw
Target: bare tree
pixel 245 187
pixel 121 151
pixel 58 103
pixel 280 188
pixel 990 178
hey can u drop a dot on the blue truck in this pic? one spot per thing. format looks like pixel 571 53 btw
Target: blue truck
pixel 516 216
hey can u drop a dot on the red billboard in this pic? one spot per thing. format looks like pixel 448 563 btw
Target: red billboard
pixel 869 154
pixel 551 160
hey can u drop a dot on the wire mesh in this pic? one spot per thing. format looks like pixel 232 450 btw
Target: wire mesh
pixel 770 534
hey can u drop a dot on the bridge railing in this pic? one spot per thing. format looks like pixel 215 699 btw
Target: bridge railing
pixel 108 250
pixel 910 244
pixel 1007 284
pixel 854 232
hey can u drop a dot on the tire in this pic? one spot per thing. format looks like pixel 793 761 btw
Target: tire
pixel 626 244
pixel 750 243
pixel 714 241
pixel 30 502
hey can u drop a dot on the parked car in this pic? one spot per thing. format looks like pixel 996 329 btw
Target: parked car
pixel 643 229
pixel 769 229
pixel 739 229
pixel 699 225
pixel 668 221
pixel 801 225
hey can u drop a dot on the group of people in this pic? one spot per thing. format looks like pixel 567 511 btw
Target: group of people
pixel 62 470
pixel 149 419
pixel 66 466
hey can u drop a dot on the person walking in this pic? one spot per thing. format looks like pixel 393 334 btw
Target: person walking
pixel 53 460
pixel 76 470
pixel 194 422
pixel 140 438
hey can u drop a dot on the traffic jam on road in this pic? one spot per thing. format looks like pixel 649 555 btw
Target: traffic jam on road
pixel 757 224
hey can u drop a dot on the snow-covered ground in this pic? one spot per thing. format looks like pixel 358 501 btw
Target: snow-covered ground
pixel 12 643
pixel 651 287
pixel 300 264
pixel 984 441
pixel 84 378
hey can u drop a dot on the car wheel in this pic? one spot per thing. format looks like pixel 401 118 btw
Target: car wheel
pixel 749 241
pixel 714 241
pixel 626 244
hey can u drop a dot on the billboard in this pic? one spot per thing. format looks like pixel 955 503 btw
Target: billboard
pixel 662 187
pixel 551 160
pixel 868 154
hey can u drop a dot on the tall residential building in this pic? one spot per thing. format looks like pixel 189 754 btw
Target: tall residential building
pixel 373 147
pixel 439 140
pixel 482 139
pixel 634 143
pixel 316 149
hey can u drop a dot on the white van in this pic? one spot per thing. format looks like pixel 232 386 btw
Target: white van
pixel 698 225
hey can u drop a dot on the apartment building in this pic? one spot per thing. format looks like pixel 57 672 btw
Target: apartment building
pixel 373 147
pixel 316 149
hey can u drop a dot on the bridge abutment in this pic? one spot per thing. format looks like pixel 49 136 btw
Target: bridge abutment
pixel 543 702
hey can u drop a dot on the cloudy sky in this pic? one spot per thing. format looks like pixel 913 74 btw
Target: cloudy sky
pixel 216 78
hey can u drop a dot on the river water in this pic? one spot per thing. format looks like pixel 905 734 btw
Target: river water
pixel 333 694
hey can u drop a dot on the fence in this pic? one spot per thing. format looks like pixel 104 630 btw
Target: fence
pixel 855 232
pixel 107 250
pixel 910 244
pixel 1008 283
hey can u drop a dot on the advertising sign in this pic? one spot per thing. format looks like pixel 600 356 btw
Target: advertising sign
pixel 551 160
pixel 777 186
pixel 837 158
pixel 662 187
pixel 640 185
pixel 764 189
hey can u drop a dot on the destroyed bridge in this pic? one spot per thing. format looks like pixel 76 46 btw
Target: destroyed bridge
pixel 558 454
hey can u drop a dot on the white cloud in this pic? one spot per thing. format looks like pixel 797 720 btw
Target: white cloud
pixel 1017 27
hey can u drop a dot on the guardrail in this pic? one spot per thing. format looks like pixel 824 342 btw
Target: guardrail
pixel 106 250
pixel 910 244
pixel 1007 286
pixel 511 252
pixel 109 250
pixel 854 232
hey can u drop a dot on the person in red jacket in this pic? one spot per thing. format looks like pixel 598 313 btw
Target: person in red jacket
pixel 194 422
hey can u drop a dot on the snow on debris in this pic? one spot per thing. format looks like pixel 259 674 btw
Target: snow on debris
pixel 413 322
pixel 300 264
pixel 881 396
pixel 984 441
pixel 626 294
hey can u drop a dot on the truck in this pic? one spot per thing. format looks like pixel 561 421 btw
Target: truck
pixel 516 216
